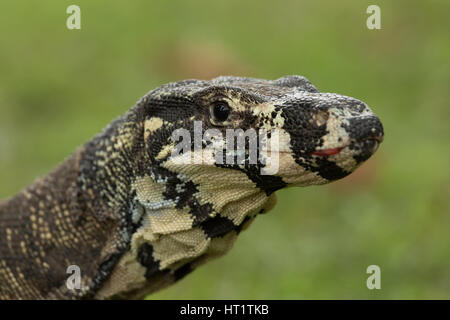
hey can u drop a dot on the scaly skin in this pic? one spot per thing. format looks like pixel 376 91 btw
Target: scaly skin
pixel 134 220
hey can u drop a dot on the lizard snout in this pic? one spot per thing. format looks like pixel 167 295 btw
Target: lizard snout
pixel 364 127
pixel 365 133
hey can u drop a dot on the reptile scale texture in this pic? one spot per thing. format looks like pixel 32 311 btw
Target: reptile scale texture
pixel 135 221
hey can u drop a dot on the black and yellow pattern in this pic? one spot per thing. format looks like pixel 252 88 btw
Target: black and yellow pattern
pixel 134 220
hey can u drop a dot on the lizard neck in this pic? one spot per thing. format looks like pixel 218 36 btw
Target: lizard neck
pixel 113 158
pixel 74 216
pixel 189 216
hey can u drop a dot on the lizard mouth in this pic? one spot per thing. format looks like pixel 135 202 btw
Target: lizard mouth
pixel 368 145
pixel 327 152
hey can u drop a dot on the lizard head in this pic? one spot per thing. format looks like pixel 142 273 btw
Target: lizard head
pixel 305 136
pixel 187 212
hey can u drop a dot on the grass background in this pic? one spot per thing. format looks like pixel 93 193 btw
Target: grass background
pixel 59 87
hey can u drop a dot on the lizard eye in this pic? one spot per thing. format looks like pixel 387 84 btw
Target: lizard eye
pixel 220 111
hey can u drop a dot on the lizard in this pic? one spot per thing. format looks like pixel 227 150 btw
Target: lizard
pixel 134 220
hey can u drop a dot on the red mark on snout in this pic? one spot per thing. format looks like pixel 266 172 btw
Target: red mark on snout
pixel 327 152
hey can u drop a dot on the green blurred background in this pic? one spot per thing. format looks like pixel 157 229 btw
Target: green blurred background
pixel 59 87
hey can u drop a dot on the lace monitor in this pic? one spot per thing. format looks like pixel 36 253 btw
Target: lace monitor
pixel 134 220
